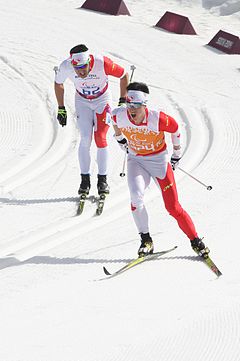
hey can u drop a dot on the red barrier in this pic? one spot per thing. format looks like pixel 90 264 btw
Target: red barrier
pixel 176 24
pixel 112 7
pixel 226 42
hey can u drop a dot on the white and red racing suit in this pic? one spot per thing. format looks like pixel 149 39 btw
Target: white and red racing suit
pixel 93 106
pixel 147 158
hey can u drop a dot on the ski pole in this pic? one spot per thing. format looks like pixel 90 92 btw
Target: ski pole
pixel 132 67
pixel 122 174
pixel 197 180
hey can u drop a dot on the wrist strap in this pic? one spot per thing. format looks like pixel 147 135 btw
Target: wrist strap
pixel 119 137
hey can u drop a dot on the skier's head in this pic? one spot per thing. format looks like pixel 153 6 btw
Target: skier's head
pixel 81 48
pixel 137 97
pixel 80 59
pixel 137 93
pixel 138 87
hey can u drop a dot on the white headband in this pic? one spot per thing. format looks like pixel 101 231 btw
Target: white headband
pixel 137 96
pixel 80 58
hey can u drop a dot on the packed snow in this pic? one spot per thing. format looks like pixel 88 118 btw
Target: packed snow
pixel 52 306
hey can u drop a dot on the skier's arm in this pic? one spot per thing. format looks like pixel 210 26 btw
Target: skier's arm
pixel 117 130
pixel 123 85
pixel 169 124
pixel 117 71
pixel 122 141
pixel 59 92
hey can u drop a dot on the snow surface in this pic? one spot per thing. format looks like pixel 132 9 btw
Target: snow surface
pixel 172 309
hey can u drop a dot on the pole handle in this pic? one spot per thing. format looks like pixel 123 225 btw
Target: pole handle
pixel 132 67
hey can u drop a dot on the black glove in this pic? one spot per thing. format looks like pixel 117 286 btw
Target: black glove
pixel 121 101
pixel 122 142
pixel 174 161
pixel 62 116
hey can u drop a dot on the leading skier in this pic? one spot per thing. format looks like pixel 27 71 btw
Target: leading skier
pixel 140 131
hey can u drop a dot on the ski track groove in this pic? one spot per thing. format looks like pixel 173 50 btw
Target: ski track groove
pixel 45 154
pixel 221 328
pixel 53 235
pixel 22 122
pixel 213 335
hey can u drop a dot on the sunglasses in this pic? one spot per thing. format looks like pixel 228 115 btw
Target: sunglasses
pixel 132 105
pixel 76 65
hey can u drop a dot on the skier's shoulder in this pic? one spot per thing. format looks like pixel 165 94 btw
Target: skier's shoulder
pixel 153 112
pixel 63 72
pixel 98 58
pixel 119 110
pixel 65 65
pixel 104 60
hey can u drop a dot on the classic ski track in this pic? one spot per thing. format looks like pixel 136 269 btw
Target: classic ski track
pixel 65 230
pixel 42 155
pixel 204 332
pixel 52 235
pixel 56 233
pixel 201 334
pixel 17 128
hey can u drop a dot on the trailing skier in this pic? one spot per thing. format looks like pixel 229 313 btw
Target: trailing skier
pixel 90 74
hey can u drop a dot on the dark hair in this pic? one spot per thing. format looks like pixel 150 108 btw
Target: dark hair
pixel 138 86
pixel 78 49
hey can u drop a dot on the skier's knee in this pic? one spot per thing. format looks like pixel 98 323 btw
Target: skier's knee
pixel 101 141
pixel 85 142
pixel 174 210
pixel 137 205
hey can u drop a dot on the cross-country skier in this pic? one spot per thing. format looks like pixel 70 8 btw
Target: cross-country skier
pixel 140 131
pixel 89 73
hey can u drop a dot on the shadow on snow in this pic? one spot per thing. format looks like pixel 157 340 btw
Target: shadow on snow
pixel 11 261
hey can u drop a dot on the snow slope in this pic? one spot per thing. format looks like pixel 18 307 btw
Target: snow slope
pixel 173 309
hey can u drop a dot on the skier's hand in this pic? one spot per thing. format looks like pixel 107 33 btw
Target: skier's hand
pixel 174 161
pixel 122 142
pixel 121 101
pixel 62 116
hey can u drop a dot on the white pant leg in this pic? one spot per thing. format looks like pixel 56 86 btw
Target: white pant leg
pixel 138 181
pixel 85 123
pixel 102 160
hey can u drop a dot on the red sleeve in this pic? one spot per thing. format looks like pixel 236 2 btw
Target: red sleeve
pixel 112 68
pixel 167 123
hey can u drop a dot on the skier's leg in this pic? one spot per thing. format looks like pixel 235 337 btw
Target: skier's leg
pixel 101 127
pixel 102 124
pixel 138 181
pixel 85 124
pixel 170 197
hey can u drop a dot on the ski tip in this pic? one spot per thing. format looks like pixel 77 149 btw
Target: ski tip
pixel 216 271
pixel 106 271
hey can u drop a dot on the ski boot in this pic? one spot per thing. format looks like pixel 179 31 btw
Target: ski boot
pixel 146 246
pixel 199 247
pixel 102 185
pixel 85 184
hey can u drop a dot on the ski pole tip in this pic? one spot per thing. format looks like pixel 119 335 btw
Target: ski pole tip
pixel 209 188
